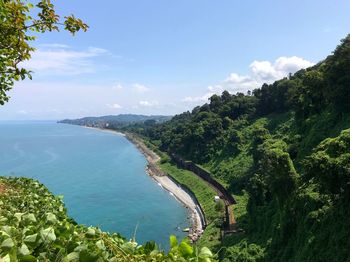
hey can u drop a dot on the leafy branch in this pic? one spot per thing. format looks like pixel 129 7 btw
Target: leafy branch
pixel 17 29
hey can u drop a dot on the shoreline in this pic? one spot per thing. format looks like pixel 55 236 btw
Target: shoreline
pixel 180 194
pixel 105 130
pixel 163 180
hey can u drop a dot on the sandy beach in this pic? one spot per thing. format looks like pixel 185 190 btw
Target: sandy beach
pixel 196 223
pixel 105 130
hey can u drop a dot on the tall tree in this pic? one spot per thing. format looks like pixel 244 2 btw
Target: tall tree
pixel 19 20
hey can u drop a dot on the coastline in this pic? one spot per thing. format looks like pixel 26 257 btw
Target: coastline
pixel 105 130
pixel 163 180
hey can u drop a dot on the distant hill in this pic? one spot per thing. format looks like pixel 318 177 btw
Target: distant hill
pixel 117 121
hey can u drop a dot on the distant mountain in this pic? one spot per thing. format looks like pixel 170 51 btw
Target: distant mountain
pixel 116 121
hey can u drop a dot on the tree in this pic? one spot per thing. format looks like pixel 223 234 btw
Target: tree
pixel 17 28
pixel 329 165
pixel 337 75
pixel 278 169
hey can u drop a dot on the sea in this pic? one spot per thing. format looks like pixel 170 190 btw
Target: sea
pixel 100 174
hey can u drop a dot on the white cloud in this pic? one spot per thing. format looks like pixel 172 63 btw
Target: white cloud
pixel 57 60
pixel 196 99
pixel 97 50
pixel 264 72
pixel 260 72
pixel 291 64
pixel 146 103
pixel 138 88
pixel 55 45
pixel 114 106
pixel 237 83
pixel 118 87
pixel 215 89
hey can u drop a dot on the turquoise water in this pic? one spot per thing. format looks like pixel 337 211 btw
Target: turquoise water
pixel 101 175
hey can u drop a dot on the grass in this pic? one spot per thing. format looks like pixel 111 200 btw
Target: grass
pixel 205 196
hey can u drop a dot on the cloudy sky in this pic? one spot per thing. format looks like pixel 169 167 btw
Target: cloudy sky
pixel 165 57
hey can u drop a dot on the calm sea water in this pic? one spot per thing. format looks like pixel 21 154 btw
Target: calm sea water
pixel 101 175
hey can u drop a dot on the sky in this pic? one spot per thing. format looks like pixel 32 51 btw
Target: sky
pixel 165 57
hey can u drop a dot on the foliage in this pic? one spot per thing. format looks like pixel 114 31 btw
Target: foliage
pixel 283 150
pixel 220 206
pixel 330 165
pixel 244 252
pixel 34 226
pixel 116 121
pixel 277 168
pixel 205 196
pixel 19 21
pixel 256 144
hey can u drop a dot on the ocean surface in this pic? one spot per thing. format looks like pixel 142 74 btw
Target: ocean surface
pixel 101 176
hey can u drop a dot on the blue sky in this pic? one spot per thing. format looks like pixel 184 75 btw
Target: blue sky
pixel 165 57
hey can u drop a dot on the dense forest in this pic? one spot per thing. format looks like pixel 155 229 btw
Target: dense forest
pixel 116 121
pixel 284 150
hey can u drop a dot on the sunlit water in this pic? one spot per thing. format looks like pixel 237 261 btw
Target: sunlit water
pixel 101 175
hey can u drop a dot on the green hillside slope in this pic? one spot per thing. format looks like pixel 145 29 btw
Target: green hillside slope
pixel 283 150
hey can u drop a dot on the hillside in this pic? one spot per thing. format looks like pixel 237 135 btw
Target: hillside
pixel 283 150
pixel 116 121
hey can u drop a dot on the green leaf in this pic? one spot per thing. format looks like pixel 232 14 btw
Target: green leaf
pixel 173 241
pixel 31 238
pixel 129 247
pixel 90 232
pixel 18 216
pixel 51 218
pixel 80 248
pixel 48 235
pixel 8 230
pixel 149 247
pixel 29 218
pixel 60 197
pixel 86 256
pixel 5 234
pixel 6 258
pixel 185 249
pixel 73 256
pixel 28 258
pixel 101 245
pixel 7 243
pixel 24 250
pixel 205 253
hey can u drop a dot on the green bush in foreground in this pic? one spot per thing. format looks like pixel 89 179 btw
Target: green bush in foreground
pixel 34 226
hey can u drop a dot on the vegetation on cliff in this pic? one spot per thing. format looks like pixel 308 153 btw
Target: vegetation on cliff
pixel 34 226
pixel 283 150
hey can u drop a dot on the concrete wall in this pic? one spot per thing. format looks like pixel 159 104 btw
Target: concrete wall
pixel 205 175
